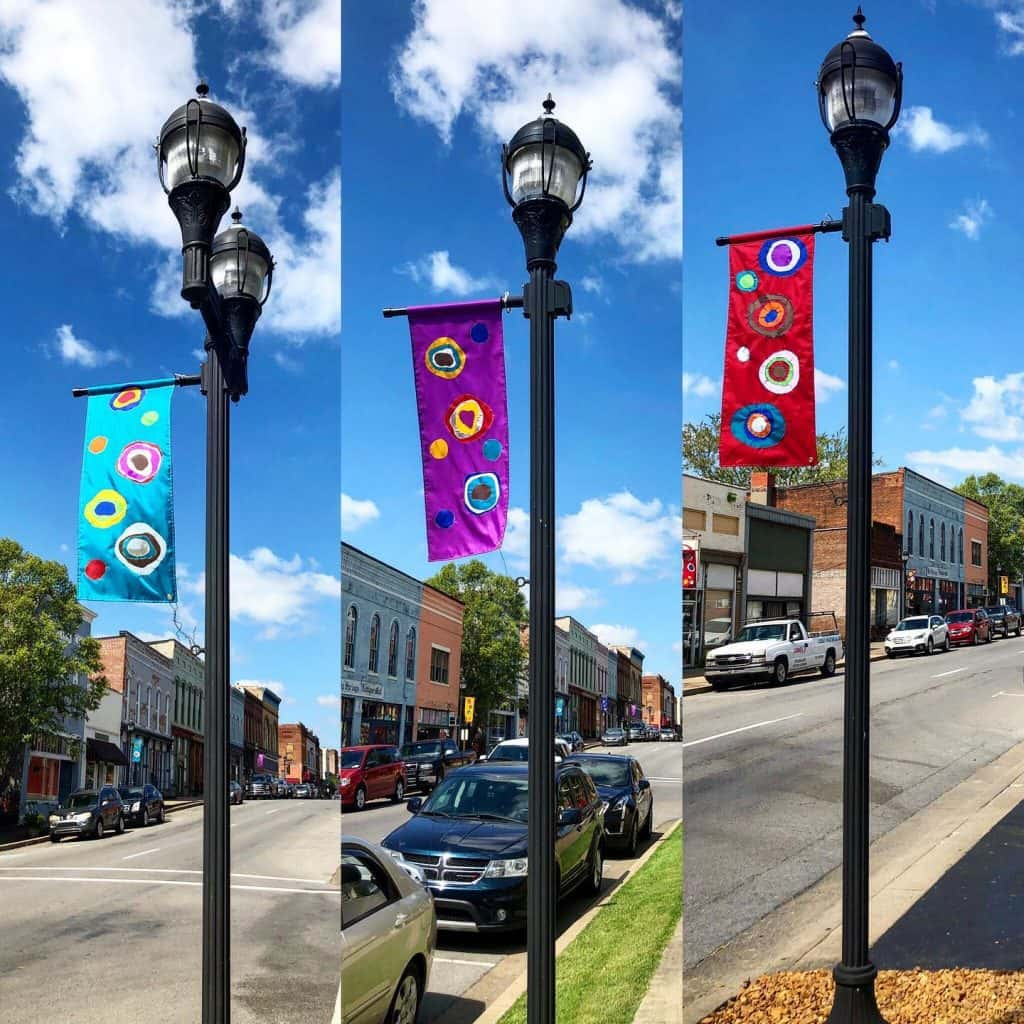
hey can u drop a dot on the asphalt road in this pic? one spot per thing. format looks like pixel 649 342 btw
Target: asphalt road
pixel 763 774
pixel 470 969
pixel 109 931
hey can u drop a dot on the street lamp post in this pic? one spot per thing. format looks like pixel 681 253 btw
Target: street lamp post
pixel 905 559
pixel 227 277
pixel 545 171
pixel 860 88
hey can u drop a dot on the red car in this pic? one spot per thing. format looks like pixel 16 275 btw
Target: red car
pixel 372 772
pixel 969 626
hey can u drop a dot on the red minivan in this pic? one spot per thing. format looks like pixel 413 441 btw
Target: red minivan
pixel 371 772
pixel 969 626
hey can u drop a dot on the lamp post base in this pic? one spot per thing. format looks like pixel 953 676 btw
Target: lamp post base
pixel 854 1001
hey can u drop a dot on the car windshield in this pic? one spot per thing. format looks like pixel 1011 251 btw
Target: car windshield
pixel 351 758
pixel 613 732
pixel 130 794
pixel 960 617
pixel 82 799
pixel 606 773
pixel 906 625
pixel 418 749
pixel 996 610
pixel 510 752
pixel 480 796
pixel 775 631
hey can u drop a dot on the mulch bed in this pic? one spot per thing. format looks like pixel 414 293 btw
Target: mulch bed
pixel 904 997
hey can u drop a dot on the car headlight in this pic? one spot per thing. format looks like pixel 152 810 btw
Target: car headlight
pixel 345 782
pixel 54 818
pixel 83 818
pixel 620 804
pixel 514 868
pixel 758 657
pixel 135 806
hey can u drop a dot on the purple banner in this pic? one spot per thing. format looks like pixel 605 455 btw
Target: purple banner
pixel 458 356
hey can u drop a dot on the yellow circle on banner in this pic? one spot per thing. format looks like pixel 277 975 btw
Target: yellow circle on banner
pixel 106 509
pixel 98 444
pixel 149 418
pixel 439 448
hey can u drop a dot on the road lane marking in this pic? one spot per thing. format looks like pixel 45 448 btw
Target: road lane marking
pixel 170 871
pixel 1003 693
pixel 658 778
pixel 158 881
pixel 745 728
pixel 274 811
pixel 7 856
pixel 952 671
pixel 141 853
pixel 464 963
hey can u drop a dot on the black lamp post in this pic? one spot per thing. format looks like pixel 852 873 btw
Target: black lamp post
pixel 227 276
pixel 860 88
pixel 905 559
pixel 545 173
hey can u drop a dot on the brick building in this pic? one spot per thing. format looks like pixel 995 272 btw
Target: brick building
pixel 438 663
pixel 976 574
pixel 659 702
pixel 298 753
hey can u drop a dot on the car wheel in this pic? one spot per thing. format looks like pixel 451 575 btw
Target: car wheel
pixel 145 817
pixel 399 792
pixel 405 1005
pixel 974 639
pixel 929 647
pixel 945 644
pixel 649 823
pixel 634 836
pixel 160 816
pixel 98 831
pixel 829 668
pixel 54 839
pixel 360 797
pixel 595 871
pixel 780 672
pixel 119 827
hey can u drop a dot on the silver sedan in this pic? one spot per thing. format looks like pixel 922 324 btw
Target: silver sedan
pixel 388 936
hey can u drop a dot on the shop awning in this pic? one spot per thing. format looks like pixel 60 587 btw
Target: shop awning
pixel 104 752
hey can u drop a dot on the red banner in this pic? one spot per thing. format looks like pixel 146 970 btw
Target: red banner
pixel 768 384
pixel 689 567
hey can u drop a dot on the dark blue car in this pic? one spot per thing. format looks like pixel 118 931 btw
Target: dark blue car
pixel 629 803
pixel 469 841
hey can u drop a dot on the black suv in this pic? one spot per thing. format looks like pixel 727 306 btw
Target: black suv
pixel 88 812
pixel 1005 619
pixel 142 804
pixel 626 792
pixel 468 838
pixel 428 761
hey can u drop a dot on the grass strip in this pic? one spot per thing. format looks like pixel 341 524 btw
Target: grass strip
pixel 605 972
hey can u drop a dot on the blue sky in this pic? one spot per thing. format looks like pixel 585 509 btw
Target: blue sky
pixel 89 294
pixel 949 394
pixel 431 91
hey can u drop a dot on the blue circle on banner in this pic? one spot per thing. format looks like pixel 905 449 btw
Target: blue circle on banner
pixel 492 449
pixel 479 333
pixel 782 257
pixel 761 425
pixel 444 518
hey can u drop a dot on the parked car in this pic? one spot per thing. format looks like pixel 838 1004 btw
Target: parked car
pixel 772 650
pixel 285 789
pixel 236 795
pixel 637 733
pixel 1004 619
pixel 614 737
pixel 371 772
pixel 628 801
pixel 668 735
pixel 969 626
pixel 574 739
pixel 262 787
pixel 388 936
pixel 518 750
pixel 88 812
pixel 142 805
pixel 428 761
pixel 917 634
pixel 304 791
pixel 469 840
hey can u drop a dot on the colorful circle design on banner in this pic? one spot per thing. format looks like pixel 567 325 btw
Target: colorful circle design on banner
pixel 479 333
pixel 127 399
pixel 492 449
pixel 782 257
pixel 140 461
pixel 444 358
pixel 149 418
pixel 98 444
pixel 482 492
pixel 780 372
pixel 444 518
pixel 770 315
pixel 468 417
pixel 140 548
pixel 760 425
pixel 96 569
pixel 106 509
pixel 438 448
pixel 743 354
pixel 746 281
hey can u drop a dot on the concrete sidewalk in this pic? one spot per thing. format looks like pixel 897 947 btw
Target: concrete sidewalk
pixel 663 1003
pixel 942 894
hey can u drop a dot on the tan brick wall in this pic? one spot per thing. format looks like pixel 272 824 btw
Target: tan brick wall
pixel 975 528
pixel 441 624
pixel 113 656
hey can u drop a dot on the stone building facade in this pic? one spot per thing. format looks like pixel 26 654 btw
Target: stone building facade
pixel 188 716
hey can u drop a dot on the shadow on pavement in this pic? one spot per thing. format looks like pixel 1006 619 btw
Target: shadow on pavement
pixel 972 916
pixel 454 1009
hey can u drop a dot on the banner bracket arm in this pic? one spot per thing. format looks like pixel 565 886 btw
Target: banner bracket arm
pixel 181 380
pixel 507 301
pixel 822 227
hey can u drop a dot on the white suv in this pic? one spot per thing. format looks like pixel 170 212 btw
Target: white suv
pixel 917 634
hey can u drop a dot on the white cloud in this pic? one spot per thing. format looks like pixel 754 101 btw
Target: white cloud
pixel 620 636
pixel 967 460
pixel 700 386
pixel 1011 24
pixel 894 365
pixel 273 685
pixel 825 385
pixel 592 283
pixel 82 353
pixel 330 700
pixel 356 513
pixel 924 133
pixel 305 40
pixel 996 408
pixel 437 270
pixel 614 70
pixel 517 536
pixel 571 597
pixel 621 533
pixel 977 212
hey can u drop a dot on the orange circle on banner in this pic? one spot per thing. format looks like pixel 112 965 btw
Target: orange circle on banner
pixel 439 448
pixel 98 444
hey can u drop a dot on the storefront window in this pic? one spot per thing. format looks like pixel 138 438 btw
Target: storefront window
pixel 717 619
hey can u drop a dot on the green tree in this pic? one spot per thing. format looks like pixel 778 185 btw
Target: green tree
pixel 700 457
pixel 493 657
pixel 1005 503
pixel 41 657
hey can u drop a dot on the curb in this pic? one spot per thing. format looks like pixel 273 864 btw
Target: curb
pixel 706 687
pixel 500 1006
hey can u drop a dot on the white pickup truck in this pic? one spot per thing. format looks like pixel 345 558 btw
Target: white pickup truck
pixel 772 650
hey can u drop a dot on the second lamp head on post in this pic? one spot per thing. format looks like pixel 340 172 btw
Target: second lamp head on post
pixel 544 173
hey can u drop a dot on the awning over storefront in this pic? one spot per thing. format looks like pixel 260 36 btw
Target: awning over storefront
pixel 104 753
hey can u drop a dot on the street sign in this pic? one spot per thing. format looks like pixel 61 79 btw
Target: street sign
pixel 604 704
pixel 136 750
pixel 559 707
pixel 1004 585
pixel 470 708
